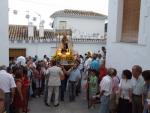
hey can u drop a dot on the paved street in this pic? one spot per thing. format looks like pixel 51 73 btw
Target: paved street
pixel 79 106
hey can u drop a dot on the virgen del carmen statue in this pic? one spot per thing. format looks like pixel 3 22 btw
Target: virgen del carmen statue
pixel 65 54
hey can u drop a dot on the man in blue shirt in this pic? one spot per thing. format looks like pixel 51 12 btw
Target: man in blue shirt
pixel 95 63
pixel 74 77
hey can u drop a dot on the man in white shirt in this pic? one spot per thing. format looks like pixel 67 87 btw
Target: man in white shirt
pixel 105 91
pixel 137 86
pixel 54 73
pixel 7 84
pixel 87 64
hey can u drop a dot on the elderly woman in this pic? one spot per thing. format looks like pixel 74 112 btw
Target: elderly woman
pixel 2 103
pixel 146 92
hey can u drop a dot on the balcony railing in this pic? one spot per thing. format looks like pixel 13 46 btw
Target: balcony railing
pixel 54 40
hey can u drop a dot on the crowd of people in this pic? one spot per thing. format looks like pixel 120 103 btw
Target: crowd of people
pixel 33 78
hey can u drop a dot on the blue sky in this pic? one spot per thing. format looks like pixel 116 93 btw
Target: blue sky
pixel 46 7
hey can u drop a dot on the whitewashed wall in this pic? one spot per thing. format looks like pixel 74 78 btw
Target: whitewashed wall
pixel 82 25
pixel 84 48
pixel 4 32
pixel 49 48
pixel 125 55
pixel 33 49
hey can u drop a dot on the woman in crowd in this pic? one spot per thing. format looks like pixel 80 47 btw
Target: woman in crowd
pixel 18 98
pixel 146 92
pixel 2 101
pixel 125 104
pixel 38 80
pixel 25 89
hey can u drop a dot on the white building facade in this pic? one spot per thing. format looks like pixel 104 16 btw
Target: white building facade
pixel 42 48
pixel 4 32
pixel 128 40
pixel 84 24
pixel 20 44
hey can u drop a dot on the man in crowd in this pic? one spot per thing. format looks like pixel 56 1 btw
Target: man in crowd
pixel 103 52
pixel 54 74
pixel 74 77
pixel 138 84
pixel 7 84
pixel 105 91
pixel 95 63
pixel 87 63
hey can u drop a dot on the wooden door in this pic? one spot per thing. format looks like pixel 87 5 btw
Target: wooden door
pixel 15 52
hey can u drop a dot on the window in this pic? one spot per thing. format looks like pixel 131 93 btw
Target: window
pixel 62 24
pixel 130 22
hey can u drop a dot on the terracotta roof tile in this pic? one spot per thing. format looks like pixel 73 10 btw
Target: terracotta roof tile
pixel 20 32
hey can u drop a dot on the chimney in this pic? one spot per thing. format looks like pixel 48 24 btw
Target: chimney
pixel 41 29
pixel 30 30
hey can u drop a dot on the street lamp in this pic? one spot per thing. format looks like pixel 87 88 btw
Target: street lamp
pixel 14 11
pixel 31 19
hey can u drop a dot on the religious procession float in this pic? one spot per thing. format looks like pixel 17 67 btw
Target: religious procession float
pixel 64 52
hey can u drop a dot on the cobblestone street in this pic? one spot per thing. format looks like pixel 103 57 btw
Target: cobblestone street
pixel 79 106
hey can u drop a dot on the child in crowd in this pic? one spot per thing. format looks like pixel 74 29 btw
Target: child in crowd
pixel 93 87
